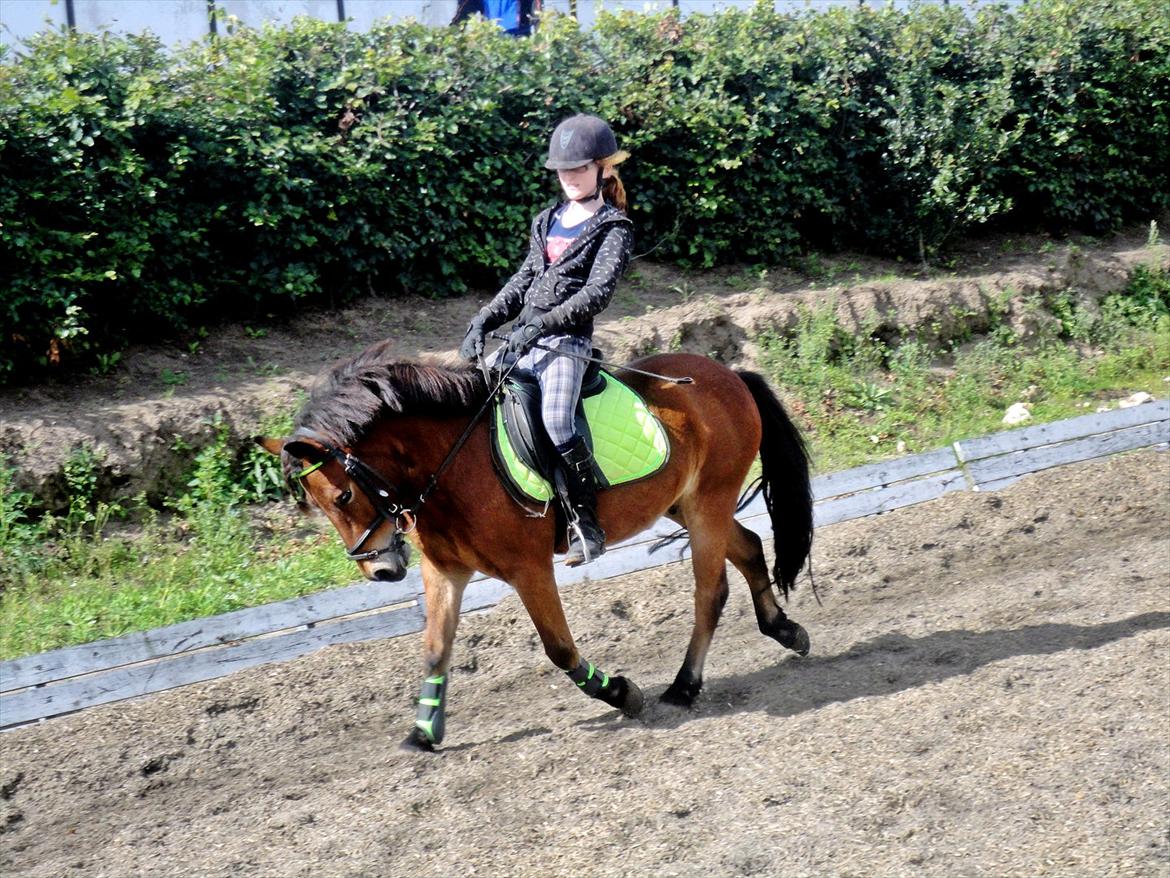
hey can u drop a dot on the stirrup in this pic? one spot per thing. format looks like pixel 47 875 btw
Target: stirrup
pixel 581 549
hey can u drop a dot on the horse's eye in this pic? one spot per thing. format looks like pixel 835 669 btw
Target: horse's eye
pixel 344 497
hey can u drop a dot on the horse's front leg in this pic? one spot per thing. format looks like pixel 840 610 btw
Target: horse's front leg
pixel 443 591
pixel 537 587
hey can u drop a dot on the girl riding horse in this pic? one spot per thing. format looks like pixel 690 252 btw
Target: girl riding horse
pixel 577 252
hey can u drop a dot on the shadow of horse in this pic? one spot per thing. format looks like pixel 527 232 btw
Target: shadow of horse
pixel 881 666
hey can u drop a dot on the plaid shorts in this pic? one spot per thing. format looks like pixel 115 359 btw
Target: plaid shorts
pixel 560 381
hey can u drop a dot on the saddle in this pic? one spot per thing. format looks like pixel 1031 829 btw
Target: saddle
pixel 627 440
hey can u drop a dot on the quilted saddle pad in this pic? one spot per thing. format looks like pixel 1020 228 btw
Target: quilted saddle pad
pixel 629 443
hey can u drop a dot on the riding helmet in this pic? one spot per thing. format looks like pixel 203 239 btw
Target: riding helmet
pixel 579 140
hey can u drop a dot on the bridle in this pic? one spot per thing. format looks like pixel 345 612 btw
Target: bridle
pixel 378 490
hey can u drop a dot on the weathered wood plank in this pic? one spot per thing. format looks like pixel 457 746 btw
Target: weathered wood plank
pixel 889 498
pixel 1018 463
pixel 207 664
pixel 1061 431
pixel 873 502
pixel 483 594
pixel 887 472
pixel 619 562
pixel 868 477
pixel 200 633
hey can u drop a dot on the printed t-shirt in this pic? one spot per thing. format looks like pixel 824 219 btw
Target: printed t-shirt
pixel 560 237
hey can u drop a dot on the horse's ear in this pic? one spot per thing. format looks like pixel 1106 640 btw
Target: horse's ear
pixel 270 444
pixel 307 450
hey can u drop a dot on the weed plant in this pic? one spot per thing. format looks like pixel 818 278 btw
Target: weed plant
pixel 91 573
pixel 863 397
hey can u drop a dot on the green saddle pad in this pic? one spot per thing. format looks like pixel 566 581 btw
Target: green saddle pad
pixel 629 443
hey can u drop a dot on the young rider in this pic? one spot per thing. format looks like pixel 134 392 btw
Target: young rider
pixel 578 250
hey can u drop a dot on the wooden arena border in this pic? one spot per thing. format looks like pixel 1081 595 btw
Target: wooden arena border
pixel 49 684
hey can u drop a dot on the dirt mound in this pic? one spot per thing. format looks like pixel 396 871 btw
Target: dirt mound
pixel 987 695
pixel 144 421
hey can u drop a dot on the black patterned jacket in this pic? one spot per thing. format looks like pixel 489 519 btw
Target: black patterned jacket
pixel 568 293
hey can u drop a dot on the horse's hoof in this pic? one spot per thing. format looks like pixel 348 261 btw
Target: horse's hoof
pixel 798 641
pixel 633 703
pixel 679 697
pixel 788 633
pixel 417 741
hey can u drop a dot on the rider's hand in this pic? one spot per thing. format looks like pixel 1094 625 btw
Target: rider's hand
pixel 472 347
pixel 524 334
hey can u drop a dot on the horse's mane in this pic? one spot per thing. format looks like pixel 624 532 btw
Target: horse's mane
pixel 356 392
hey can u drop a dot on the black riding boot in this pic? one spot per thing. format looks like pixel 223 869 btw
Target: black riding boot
pixel 586 538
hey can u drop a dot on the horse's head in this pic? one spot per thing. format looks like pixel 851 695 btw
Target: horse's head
pixel 357 500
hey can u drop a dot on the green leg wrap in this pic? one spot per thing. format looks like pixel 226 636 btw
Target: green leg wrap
pixel 430 717
pixel 615 691
pixel 589 679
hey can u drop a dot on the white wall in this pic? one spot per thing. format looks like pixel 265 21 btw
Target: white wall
pixel 176 21
pixel 21 18
pixel 173 21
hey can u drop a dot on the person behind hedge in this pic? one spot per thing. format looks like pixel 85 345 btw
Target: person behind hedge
pixel 577 251
pixel 513 16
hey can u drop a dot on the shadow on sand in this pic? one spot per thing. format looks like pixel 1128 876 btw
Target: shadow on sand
pixel 880 666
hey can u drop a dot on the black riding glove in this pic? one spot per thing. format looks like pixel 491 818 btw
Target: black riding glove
pixel 524 334
pixel 472 347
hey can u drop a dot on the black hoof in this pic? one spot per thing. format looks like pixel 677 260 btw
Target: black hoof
pixel 623 695
pixel 682 694
pixel 796 640
pixel 417 741
pixel 788 633
pixel 633 703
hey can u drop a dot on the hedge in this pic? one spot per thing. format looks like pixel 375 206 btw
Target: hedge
pixel 145 193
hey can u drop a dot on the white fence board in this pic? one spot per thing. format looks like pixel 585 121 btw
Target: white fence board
pixel 1060 431
pixel 200 633
pixel 889 498
pixel 1019 463
pixel 886 472
pixel 129 682
pixel 483 594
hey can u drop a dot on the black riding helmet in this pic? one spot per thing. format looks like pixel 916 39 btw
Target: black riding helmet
pixel 579 140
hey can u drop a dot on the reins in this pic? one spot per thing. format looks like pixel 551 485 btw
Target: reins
pixel 433 481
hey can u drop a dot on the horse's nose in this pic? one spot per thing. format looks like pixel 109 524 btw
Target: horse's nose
pixel 389 574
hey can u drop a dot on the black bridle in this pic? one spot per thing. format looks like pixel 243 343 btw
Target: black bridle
pixel 378 490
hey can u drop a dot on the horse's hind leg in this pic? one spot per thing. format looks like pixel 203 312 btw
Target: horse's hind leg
pixel 746 552
pixel 708 558
pixel 538 592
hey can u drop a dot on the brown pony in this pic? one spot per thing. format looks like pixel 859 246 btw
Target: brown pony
pixel 370 441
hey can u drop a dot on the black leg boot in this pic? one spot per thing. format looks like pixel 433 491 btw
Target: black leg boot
pixel 586 538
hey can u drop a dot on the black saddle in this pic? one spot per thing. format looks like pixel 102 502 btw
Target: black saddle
pixel 520 406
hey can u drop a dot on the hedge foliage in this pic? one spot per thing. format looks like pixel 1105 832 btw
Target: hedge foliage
pixel 144 193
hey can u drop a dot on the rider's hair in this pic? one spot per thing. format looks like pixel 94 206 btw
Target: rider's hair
pixel 613 190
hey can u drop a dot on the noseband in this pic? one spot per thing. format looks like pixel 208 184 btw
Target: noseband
pixel 377 491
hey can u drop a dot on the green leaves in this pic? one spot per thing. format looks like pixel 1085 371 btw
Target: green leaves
pixel 142 192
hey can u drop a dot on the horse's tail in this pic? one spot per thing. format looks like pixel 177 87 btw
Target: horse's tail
pixel 785 483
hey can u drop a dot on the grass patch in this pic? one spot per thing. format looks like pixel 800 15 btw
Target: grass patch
pixel 861 399
pixel 89 574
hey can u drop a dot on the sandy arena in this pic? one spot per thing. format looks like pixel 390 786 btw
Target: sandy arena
pixel 988 695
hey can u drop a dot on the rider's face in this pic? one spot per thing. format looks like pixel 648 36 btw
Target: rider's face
pixel 578 182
